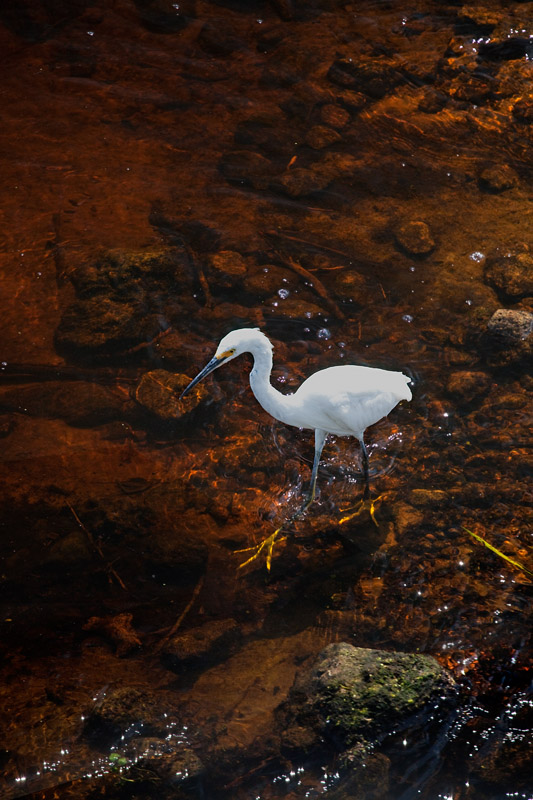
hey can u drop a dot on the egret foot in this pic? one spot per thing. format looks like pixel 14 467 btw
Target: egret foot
pixel 267 545
pixel 368 504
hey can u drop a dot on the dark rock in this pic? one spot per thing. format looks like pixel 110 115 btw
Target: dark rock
pixel 159 393
pixel 220 39
pixel 299 182
pixel 7 424
pixel 79 403
pixel 507 746
pixel 167 760
pixel 119 710
pixel 118 629
pixel 228 267
pixel 432 101
pixel 267 279
pixel 415 238
pixel 481 15
pixel 245 166
pixel 510 327
pixel 373 77
pixel 498 178
pixel 70 551
pixel 320 136
pixel 120 300
pixel 103 325
pixel 165 16
pixel 203 645
pixel 334 116
pixel 128 276
pixel 523 109
pixel 351 285
pixel 511 274
pixel 506 49
pixel 468 386
pixel 352 695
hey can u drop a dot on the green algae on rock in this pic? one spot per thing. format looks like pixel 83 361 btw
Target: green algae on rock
pixel 353 694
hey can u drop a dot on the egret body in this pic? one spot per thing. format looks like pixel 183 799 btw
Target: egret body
pixel 343 400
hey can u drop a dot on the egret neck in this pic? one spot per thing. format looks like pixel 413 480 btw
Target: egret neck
pixel 274 402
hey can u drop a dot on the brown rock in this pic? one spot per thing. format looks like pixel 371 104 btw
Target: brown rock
pixel 208 642
pixel 334 116
pixel 498 178
pixel 159 392
pixel 511 274
pixel 468 386
pixel 415 238
pixel 320 136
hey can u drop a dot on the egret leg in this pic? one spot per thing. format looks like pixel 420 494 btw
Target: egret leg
pixel 366 502
pixel 268 544
pixel 364 459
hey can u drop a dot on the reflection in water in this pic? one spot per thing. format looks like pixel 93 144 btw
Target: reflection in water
pixel 351 179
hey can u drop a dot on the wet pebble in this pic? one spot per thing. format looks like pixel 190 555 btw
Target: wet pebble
pixel 415 238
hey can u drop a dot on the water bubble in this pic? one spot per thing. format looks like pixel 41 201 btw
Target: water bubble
pixel 407 318
pixel 477 256
pixel 283 293
pixel 324 333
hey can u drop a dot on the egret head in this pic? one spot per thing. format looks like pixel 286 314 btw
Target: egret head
pixel 233 344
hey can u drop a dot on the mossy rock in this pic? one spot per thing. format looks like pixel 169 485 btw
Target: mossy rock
pixel 351 694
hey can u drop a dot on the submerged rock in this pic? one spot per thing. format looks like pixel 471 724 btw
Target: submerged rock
pixel 510 326
pixel 159 393
pixel 509 337
pixel 119 629
pixel 498 178
pixel 511 273
pixel 123 300
pixel 374 77
pixel 201 646
pixel 354 695
pixel 120 709
pixel 415 238
pixel 467 386
pixel 79 403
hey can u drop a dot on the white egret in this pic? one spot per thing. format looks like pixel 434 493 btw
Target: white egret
pixel 343 400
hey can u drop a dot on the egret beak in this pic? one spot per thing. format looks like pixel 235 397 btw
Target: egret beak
pixel 212 365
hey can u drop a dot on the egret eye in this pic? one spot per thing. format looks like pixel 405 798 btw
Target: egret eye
pixel 226 354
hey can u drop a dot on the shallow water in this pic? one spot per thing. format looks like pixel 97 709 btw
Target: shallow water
pixel 284 184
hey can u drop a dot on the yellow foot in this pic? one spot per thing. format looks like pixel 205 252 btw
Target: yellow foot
pixel 369 505
pixel 267 545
